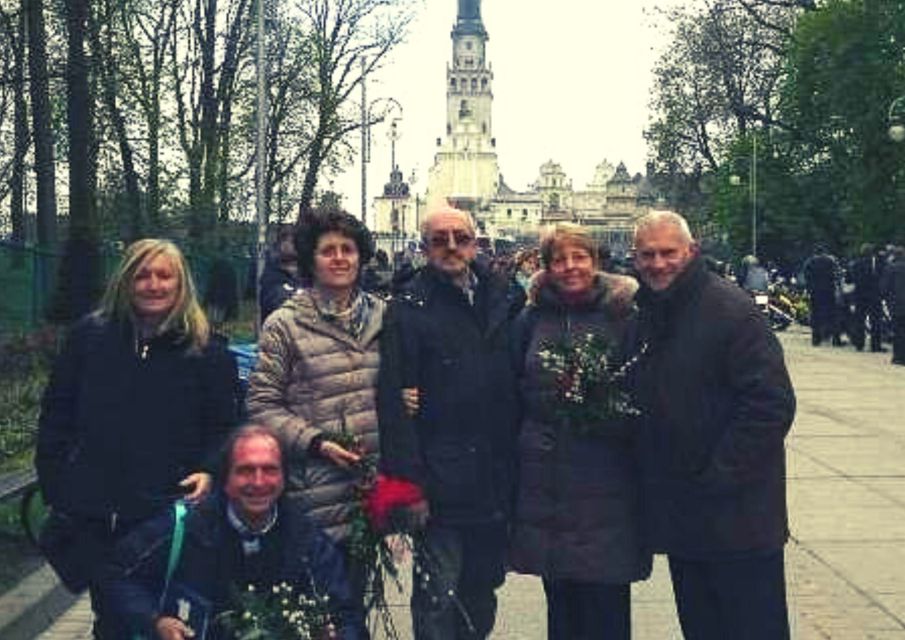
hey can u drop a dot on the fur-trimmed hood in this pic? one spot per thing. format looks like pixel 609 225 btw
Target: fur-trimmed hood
pixel 613 292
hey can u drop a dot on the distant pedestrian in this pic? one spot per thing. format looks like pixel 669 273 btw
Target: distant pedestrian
pixel 221 297
pixel 755 276
pixel 821 274
pixel 717 403
pixel 280 279
pixel 893 287
pixel 865 273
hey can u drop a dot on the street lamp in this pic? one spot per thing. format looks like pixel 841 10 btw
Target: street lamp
pixel 412 180
pixel 896 119
pixel 366 121
pixel 736 180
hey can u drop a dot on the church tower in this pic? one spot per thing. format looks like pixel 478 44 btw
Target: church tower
pixel 465 168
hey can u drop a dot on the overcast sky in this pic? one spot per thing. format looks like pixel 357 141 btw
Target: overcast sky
pixel 571 83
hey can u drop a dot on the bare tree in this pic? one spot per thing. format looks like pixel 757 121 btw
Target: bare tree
pixel 79 281
pixel 342 33
pixel 42 130
pixel 719 76
pixel 204 89
pixel 14 28
pixel 104 45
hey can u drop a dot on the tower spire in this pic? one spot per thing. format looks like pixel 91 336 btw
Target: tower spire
pixel 468 22
pixel 470 9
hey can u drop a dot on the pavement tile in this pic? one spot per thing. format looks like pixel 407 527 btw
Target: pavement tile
pixel 811 494
pixel 876 567
pixel 873 456
pixel 854 523
pixel 801 465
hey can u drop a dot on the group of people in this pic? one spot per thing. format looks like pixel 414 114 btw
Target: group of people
pixel 448 385
pixel 876 277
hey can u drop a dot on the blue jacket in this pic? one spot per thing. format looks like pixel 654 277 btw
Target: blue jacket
pixel 211 565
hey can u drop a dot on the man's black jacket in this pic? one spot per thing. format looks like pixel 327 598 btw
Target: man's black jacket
pixel 717 403
pixel 460 447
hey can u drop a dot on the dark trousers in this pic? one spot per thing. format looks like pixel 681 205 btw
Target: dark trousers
pixel 456 572
pixel 738 599
pixel 105 626
pixel 588 610
pixel 898 339
pixel 824 318
pixel 867 310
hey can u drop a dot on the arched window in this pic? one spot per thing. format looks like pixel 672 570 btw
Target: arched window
pixel 452 84
pixel 474 84
pixel 483 83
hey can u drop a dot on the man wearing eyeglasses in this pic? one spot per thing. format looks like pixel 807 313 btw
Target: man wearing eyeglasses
pixel 445 350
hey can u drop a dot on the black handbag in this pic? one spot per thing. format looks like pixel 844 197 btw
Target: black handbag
pixel 71 549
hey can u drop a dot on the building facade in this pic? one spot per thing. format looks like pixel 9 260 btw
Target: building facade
pixel 466 171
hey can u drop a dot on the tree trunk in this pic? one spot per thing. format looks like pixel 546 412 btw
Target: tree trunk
pixel 80 268
pixel 16 36
pixel 209 108
pixel 45 167
pixel 106 66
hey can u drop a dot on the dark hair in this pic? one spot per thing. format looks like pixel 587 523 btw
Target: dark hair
pixel 250 430
pixel 316 222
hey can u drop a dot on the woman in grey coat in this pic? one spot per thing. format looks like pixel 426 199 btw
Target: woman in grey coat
pixel 577 517
pixel 316 377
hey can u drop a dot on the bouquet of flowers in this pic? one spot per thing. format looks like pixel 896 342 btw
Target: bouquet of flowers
pixel 279 614
pixel 380 511
pixel 587 390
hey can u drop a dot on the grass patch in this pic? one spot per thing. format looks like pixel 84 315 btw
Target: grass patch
pixel 20 404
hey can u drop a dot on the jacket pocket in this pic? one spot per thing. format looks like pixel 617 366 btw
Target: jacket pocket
pixel 459 473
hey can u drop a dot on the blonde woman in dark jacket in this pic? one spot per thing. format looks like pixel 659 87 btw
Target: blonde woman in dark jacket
pixel 316 377
pixel 577 520
pixel 140 399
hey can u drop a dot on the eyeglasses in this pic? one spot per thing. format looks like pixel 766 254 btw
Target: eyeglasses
pixel 460 238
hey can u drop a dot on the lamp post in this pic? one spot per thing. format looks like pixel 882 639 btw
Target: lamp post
pixel 896 119
pixel 367 119
pixel 735 181
pixel 754 197
pixel 261 152
pixel 412 180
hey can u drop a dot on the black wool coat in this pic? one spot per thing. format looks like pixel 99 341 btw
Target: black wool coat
pixel 120 426
pixel 460 447
pixel 718 403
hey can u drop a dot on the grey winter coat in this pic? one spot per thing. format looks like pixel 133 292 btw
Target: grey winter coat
pixel 312 379
pixel 577 512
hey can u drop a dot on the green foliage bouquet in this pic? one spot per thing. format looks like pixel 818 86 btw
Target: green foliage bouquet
pixel 279 614
pixel 587 391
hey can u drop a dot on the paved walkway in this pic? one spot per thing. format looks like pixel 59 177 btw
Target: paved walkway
pixel 846 559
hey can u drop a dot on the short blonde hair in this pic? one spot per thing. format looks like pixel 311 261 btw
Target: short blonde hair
pixel 186 317
pixel 562 233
